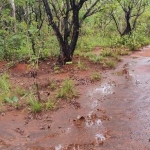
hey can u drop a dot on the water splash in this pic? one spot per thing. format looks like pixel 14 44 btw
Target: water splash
pixel 59 147
pixel 104 89
pixel 100 137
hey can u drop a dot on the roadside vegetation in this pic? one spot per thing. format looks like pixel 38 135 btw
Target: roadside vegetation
pixel 99 32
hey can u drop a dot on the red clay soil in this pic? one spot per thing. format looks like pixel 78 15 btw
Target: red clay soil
pixel 2 64
pixel 109 115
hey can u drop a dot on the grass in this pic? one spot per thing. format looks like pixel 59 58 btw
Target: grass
pixel 116 56
pixel 67 91
pixel 4 95
pixel 89 39
pixel 106 53
pixel 95 77
pixel 34 104
pixel 4 82
pixel 96 58
pixel 50 104
pixel 80 65
pixel 93 57
pixel 110 63
pixel 5 87
pixel 122 51
pixel 8 94
pixel 56 69
pixel 52 85
pixel 20 91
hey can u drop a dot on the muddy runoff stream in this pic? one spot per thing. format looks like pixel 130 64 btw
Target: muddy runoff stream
pixel 113 114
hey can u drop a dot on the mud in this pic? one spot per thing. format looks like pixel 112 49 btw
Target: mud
pixel 109 115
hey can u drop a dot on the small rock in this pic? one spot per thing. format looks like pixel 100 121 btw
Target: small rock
pixel 28 136
pixel 3 113
pixel 49 126
pixel 42 128
pixel 45 116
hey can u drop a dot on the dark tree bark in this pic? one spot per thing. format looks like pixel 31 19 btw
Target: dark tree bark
pixel 68 23
pixel 132 11
pixel 128 28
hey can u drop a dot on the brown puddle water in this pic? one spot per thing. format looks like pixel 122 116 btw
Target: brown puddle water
pixel 111 115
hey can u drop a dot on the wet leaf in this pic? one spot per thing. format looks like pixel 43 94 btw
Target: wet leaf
pixel 15 99
pixel 8 100
pixel 68 63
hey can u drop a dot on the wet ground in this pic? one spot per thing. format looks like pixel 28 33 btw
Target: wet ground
pixel 110 115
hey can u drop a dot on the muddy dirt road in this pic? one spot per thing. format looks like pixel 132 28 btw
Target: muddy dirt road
pixel 112 115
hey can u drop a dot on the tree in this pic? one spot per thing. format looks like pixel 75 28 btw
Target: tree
pixel 66 17
pixel 31 12
pixel 13 12
pixel 132 10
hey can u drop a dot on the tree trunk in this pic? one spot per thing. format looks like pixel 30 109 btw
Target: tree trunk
pixel 13 12
pixel 65 55
pixel 128 29
pixel 76 28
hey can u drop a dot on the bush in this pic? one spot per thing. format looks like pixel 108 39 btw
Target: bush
pixel 132 42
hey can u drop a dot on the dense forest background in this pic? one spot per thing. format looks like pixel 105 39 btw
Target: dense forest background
pixel 36 29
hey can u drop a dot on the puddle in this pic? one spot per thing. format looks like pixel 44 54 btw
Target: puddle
pixel 104 89
pixel 93 124
pixel 68 130
pixel 94 104
pixel 59 147
pixel 100 137
pixel 90 121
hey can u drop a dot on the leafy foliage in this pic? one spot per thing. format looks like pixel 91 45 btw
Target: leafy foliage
pixel 28 32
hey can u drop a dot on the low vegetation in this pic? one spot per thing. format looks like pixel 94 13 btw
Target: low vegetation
pixel 67 90
pixel 95 76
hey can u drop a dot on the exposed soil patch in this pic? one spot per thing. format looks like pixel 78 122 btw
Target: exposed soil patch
pixel 143 52
pixel 112 114
pixel 97 50
pixel 2 63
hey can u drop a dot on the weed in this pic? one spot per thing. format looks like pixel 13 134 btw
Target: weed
pixel 50 104
pixel 96 58
pixel 116 56
pixel 52 85
pixel 56 69
pixel 106 53
pixel 67 90
pixel 20 91
pixel 11 64
pixel 125 52
pixel 4 95
pixel 78 53
pixel 34 104
pixel 12 100
pixel 80 65
pixel 88 54
pixel 110 63
pixel 4 87
pixel 95 76
pixel 4 82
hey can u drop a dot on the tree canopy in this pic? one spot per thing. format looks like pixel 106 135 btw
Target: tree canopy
pixel 30 27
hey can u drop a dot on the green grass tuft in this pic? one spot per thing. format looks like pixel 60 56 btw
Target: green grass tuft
pixel 67 91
